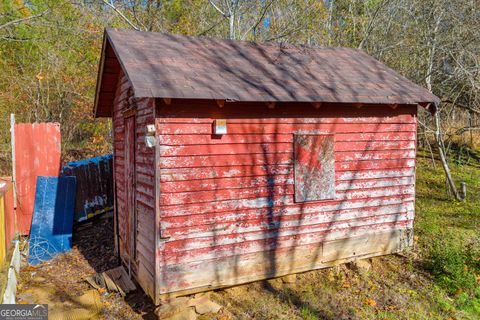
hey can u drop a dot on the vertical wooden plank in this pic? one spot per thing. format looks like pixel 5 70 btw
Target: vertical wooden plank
pixel 145 200
pixel 118 129
pixel 94 193
pixel 130 183
pixel 157 242
pixel 14 170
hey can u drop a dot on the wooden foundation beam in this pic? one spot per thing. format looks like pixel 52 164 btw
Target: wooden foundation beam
pixel 231 271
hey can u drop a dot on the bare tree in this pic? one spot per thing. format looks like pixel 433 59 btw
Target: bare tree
pixel 111 5
pixel 228 9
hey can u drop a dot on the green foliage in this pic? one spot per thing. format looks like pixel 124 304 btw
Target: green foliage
pixel 448 235
pixel 307 314
pixel 49 61
pixel 452 266
pixel 48 67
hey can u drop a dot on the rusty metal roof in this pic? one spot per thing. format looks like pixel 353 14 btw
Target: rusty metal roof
pixel 180 67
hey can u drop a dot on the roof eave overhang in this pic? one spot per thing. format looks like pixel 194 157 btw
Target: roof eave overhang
pixel 99 79
pixel 431 104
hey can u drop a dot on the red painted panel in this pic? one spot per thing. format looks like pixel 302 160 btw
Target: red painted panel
pixel 342 161
pixel 37 152
pixel 275 192
pixel 189 174
pixel 263 148
pixel 272 128
pixel 189 250
pixel 206 139
pixel 314 163
pixel 402 118
pixel 233 195
pixel 250 220
pixel 370 180
pixel 279 203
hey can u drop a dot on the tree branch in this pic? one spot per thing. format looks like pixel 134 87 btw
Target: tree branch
pixel 464 106
pixel 262 16
pixel 21 20
pixel 218 9
pixel 213 26
pixel 121 14
pixel 370 25
pixel 463 130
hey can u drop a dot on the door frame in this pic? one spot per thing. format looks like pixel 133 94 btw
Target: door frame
pixel 131 182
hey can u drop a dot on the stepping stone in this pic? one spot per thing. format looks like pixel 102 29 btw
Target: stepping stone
pixel 207 307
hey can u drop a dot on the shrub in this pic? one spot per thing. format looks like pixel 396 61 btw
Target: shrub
pixel 453 266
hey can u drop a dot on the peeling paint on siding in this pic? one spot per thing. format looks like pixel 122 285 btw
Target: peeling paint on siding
pixel 230 200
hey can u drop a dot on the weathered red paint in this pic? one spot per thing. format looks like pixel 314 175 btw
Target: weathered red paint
pixel 37 153
pixel 233 195
pixel 188 224
pixel 283 147
pixel 274 128
pixel 181 186
pixel 203 202
pixel 314 163
pixel 219 210
pixel 129 154
pixel 134 184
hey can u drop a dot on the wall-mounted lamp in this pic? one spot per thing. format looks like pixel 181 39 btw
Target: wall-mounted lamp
pixel 150 136
pixel 219 126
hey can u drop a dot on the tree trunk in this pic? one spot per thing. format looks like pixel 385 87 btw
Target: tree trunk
pixel 443 158
pixel 438 130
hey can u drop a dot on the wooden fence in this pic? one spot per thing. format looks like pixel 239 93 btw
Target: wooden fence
pixel 94 185
pixel 7 217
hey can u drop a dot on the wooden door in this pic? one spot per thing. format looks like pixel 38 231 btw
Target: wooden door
pixel 130 186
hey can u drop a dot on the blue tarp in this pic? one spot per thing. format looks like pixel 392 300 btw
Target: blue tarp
pixel 52 222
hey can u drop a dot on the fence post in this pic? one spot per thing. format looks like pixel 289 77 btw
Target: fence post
pixel 463 185
pixel 14 169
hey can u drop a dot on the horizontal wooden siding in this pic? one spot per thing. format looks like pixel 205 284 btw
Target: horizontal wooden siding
pixel 228 200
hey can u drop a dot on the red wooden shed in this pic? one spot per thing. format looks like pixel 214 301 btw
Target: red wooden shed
pixel 236 161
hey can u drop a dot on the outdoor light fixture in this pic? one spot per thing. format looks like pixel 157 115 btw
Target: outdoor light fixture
pixel 219 126
pixel 150 129
pixel 150 136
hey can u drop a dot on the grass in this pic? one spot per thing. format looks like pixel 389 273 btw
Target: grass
pixel 448 234
pixel 438 279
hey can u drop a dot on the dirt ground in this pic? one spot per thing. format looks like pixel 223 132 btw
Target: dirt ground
pixel 391 288
pixel 60 282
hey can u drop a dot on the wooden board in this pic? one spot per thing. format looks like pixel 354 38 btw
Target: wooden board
pixel 314 163
pixel 230 270
pixel 139 186
pixel 227 204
